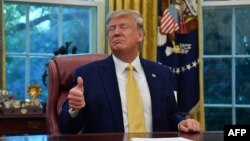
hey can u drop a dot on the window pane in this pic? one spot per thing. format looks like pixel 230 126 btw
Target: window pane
pixel 15 21
pixel 37 69
pixel 217 80
pixel 217 25
pixel 43 29
pixel 242 30
pixel 76 28
pixel 242 81
pixel 216 118
pixel 15 76
pixel 243 119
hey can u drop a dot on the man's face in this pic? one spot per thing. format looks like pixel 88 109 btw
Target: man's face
pixel 124 35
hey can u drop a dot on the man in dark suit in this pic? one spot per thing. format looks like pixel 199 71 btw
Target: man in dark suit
pixel 97 101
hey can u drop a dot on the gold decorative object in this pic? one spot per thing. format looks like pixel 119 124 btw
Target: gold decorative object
pixel 27 103
pixel 34 91
pixel 3 92
pixel 37 103
pixel 17 104
pixel 24 111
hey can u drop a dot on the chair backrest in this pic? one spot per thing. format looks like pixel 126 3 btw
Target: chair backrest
pixel 60 74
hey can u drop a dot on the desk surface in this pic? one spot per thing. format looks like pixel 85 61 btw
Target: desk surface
pixel 206 136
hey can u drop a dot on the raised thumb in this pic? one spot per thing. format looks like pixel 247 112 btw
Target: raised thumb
pixel 80 83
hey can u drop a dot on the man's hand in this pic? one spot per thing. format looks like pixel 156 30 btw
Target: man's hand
pixel 189 125
pixel 76 97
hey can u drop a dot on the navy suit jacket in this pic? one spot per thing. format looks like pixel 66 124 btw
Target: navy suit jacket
pixel 103 111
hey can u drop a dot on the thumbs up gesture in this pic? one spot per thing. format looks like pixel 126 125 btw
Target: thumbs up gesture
pixel 76 97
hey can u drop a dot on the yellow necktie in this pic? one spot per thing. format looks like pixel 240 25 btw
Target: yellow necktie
pixel 136 119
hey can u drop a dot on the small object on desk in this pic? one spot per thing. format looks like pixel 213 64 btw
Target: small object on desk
pixel 8 103
pixel 34 91
pixel 22 108
pixel 17 104
pixel 28 107
pixel 22 111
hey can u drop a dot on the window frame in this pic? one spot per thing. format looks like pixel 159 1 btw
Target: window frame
pixel 95 40
pixel 233 56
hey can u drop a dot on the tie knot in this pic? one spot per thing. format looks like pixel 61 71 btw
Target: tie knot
pixel 130 67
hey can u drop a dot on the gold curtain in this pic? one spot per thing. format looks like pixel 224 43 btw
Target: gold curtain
pixel 198 111
pixel 148 9
pixel 2 49
pixel 200 115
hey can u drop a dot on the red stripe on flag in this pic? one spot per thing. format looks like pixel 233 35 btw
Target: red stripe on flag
pixel 168 25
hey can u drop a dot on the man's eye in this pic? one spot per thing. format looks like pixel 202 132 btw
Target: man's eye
pixel 124 26
pixel 111 28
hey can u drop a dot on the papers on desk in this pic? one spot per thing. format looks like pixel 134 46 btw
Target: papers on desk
pixel 161 139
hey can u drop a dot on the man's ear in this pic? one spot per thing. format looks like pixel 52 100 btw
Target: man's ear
pixel 141 36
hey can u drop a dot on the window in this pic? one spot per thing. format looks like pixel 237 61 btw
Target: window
pixel 226 62
pixel 34 30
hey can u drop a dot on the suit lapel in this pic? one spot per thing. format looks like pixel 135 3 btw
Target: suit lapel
pixel 111 88
pixel 153 80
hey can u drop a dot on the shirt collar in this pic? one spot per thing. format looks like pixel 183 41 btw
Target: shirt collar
pixel 120 65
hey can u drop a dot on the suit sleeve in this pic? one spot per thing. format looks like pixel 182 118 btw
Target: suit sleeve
pixel 68 124
pixel 174 116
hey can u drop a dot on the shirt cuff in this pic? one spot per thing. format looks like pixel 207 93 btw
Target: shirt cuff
pixel 73 113
pixel 179 125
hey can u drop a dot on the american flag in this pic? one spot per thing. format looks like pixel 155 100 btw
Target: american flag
pixel 168 24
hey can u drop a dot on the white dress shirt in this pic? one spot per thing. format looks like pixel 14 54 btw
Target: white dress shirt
pixel 121 73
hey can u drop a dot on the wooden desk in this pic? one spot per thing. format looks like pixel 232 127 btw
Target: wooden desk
pixel 22 125
pixel 206 136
